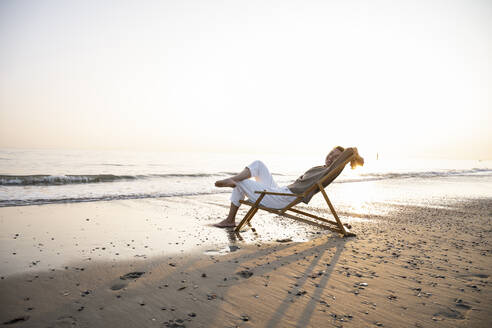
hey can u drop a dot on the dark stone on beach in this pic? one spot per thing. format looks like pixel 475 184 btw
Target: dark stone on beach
pixel 285 240
pixel 245 273
pixel 172 264
pixel 132 275
pixel 244 317
pixel 233 248
pixel 16 320
pixel 80 309
pixel 301 292
pixel 204 275
pixel 316 275
pixel 85 293
pixel 192 314
pixel 182 287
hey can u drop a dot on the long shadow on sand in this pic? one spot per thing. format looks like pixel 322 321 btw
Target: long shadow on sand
pixel 292 257
pixel 309 308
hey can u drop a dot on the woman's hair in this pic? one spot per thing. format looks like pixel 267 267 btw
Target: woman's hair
pixel 357 161
pixel 340 148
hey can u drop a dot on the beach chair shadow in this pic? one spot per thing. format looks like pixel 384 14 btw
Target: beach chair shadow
pixel 332 172
pixel 234 236
pixel 307 312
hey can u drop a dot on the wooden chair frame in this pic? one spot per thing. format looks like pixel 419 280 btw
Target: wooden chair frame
pixel 339 227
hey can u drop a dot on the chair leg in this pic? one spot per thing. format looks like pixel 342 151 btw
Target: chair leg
pixel 332 209
pixel 244 220
pixel 252 214
pixel 252 211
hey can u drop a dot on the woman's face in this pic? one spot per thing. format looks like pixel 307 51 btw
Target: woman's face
pixel 332 156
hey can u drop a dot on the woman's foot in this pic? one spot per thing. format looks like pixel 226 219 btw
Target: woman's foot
pixel 225 224
pixel 226 183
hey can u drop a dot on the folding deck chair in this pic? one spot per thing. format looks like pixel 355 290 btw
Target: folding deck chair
pixel 332 172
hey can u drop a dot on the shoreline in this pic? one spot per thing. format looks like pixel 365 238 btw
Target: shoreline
pixel 410 266
pixel 45 237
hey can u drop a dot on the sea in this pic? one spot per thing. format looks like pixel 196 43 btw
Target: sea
pixel 39 177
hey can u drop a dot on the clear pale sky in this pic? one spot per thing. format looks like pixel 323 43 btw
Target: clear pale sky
pixel 402 78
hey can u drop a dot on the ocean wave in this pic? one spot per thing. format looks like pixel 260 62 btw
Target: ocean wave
pixel 41 179
pixel 424 174
pixel 111 164
pixel 54 180
pixel 63 200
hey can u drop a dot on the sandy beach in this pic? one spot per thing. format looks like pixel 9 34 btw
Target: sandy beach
pixel 130 130
pixel 409 266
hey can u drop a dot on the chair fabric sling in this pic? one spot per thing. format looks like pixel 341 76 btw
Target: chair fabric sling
pixel 332 172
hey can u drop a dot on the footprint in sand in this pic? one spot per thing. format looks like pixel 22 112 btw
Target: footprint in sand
pixel 475 275
pixel 462 304
pixel 129 276
pixel 449 314
pixel 118 286
pixel 16 320
pixel 67 322
pixel 132 275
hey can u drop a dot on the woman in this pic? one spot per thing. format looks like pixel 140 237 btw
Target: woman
pixel 242 186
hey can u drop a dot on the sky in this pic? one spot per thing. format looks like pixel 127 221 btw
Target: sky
pixel 398 78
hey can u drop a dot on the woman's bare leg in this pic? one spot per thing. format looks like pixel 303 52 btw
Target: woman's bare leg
pixel 231 182
pixel 230 221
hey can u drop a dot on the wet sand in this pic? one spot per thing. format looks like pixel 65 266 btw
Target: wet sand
pixel 409 266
